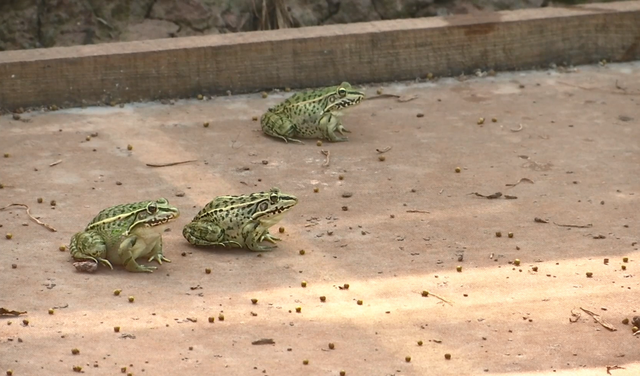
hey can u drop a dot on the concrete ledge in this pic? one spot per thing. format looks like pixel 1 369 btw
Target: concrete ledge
pixel 317 56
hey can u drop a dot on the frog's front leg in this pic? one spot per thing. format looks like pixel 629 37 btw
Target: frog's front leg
pixel 252 236
pixel 156 252
pixel 279 126
pixel 130 249
pixel 89 245
pixel 329 124
pixel 206 233
pixel 268 237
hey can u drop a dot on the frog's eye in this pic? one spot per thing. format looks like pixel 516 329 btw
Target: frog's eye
pixel 273 198
pixel 342 92
pixel 152 208
pixel 263 206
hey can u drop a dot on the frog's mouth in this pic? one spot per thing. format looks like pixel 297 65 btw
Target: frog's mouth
pixel 348 102
pixel 161 220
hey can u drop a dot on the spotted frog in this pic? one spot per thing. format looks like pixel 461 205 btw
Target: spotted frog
pixel 239 221
pixel 311 114
pixel 122 233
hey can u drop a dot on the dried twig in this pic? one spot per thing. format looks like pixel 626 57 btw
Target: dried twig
pixel 510 197
pixel 611 368
pixel 520 181
pixel 417 211
pixel 540 220
pixel 492 196
pixel 439 297
pixel 589 225
pixel 327 154
pixel 31 216
pixel 55 163
pixel 170 164
pixel 8 312
pixel 599 320
pixel 517 129
pixel 264 341
pixel 383 96
pixel 383 150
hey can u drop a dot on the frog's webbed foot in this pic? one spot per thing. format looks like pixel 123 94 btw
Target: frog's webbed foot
pixel 129 249
pixel 341 129
pixel 256 247
pixel 159 258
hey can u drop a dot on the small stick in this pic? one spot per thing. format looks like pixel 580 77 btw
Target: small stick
pixel 4 311
pixel 55 163
pixel 429 293
pixel 589 225
pixel 170 164
pixel 540 220
pixel 31 216
pixel 520 181
pixel 518 129
pixel 384 150
pixel 599 320
pixel 417 211
pixel 382 96
pixel 495 195
pixel 327 153
pixel 264 341
pixel 510 197
pixel 610 368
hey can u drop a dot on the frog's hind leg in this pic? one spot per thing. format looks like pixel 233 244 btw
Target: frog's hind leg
pixel 198 233
pixel 279 126
pixel 89 245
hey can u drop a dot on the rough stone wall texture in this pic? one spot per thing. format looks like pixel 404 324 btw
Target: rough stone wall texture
pixel 47 23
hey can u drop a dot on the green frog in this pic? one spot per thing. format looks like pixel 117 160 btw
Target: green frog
pixel 311 114
pixel 240 221
pixel 122 233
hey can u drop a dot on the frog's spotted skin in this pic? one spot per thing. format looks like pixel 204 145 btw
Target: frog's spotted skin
pixel 311 114
pixel 239 221
pixel 122 233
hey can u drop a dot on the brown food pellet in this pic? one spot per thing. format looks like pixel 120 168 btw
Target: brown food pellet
pixel 510 234
pixel 323 298
pixel 407 359
pixel 281 229
pixel 75 351
pixel 9 372
pixel 131 299
pixel 535 268
pixel 379 91
pixel 481 121
pixel 51 311
pixel 25 322
pixel 589 274
pixel 332 346
pixel 77 369
pixel 381 158
pixel 419 343
pixel 221 317
pixel 419 114
pixel 346 286
pixel 207 270
pixel 123 369
pixel 625 259
pixel 264 94
pixel 319 143
pixel 117 292
pixel 129 147
pixel 255 118
pixel 303 283
pixel 340 177
pixel 459 268
pixel 343 373
pixel 39 200
pixel 200 97
pixel 298 309
pixel 205 124
pixel 316 189
pixel 116 329
pixel 425 293
pixel 345 208
pixel 625 321
pixel 302 252
pixel 15 266
pixel 62 248
pixel 447 356
pixel 606 261
pixel 88 138
pixel 623 267
pixel 305 362
pixel 9 236
pixel 7 155
pixel 494 120
pixel 458 169
pixel 498 234
pixel 359 302
pixel 53 203
pixel 254 301
pixel 516 262
pixel 212 319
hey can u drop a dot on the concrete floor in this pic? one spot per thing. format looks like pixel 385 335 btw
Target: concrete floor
pixel 410 222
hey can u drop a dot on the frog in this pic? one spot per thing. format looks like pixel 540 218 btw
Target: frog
pixel 240 221
pixel 120 234
pixel 311 114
